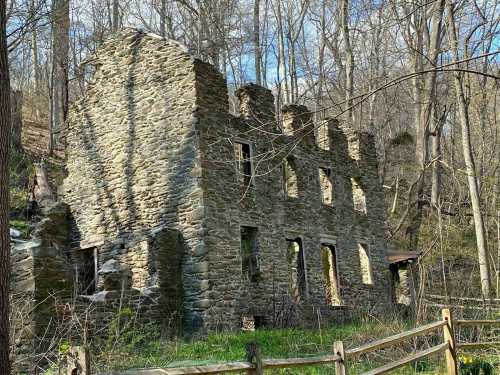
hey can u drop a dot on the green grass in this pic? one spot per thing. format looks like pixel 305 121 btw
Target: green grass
pixel 142 352
pixel 21 225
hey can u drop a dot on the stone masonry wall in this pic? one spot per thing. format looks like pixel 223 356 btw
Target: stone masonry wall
pixel 152 147
pixel 42 280
pixel 278 217
pixel 132 158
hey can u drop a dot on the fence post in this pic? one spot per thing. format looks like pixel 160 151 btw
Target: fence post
pixel 254 355
pixel 78 358
pixel 338 349
pixel 449 337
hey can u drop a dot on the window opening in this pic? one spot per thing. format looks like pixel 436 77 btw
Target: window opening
pixel 250 257
pixel 243 156
pixel 86 271
pixel 358 196
pixel 290 181
pixel 366 267
pixel 330 275
pixel 400 283
pixel 297 271
pixel 325 183
pixel 323 136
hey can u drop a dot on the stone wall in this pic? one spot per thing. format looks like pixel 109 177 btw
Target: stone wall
pixel 154 186
pixel 42 281
pixel 278 217
pixel 132 158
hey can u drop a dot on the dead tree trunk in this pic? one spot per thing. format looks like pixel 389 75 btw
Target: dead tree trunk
pixel 42 193
pixel 5 126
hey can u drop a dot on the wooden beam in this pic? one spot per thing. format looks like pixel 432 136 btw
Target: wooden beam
pixel 395 339
pixel 464 323
pixel 478 345
pixel 411 358
pixel 208 369
pixel 298 362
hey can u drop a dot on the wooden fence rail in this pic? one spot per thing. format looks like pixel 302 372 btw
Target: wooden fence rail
pixel 255 364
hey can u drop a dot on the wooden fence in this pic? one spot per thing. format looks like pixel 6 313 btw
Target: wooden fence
pixel 255 364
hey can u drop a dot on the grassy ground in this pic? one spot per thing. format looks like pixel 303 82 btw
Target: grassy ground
pixel 137 349
pixel 141 351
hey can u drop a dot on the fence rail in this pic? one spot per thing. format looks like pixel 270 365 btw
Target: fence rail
pixel 255 365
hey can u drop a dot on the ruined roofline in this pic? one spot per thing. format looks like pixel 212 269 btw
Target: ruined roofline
pixel 299 118
pixel 257 96
pixel 128 32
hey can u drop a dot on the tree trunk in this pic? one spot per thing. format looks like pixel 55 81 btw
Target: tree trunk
pixel 116 15
pixel 416 212
pixel 5 126
pixel 36 65
pixel 163 18
pixel 349 61
pixel 256 41
pixel 469 157
pixel 428 119
pixel 283 81
pixel 16 118
pixel 42 193
pixel 60 50
pixel 436 166
pixel 34 47
pixel 321 65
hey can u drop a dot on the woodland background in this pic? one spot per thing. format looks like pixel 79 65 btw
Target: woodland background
pixel 421 75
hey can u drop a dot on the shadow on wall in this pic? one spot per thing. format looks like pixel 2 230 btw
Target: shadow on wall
pixel 165 261
pixel 124 220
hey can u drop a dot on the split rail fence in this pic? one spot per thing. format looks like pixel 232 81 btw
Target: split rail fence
pixel 255 364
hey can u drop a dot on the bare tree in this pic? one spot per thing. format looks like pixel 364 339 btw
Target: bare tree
pixel 463 112
pixel 284 90
pixel 429 112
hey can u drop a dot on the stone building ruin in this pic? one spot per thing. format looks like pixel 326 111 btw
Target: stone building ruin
pixel 236 212
pixel 214 218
